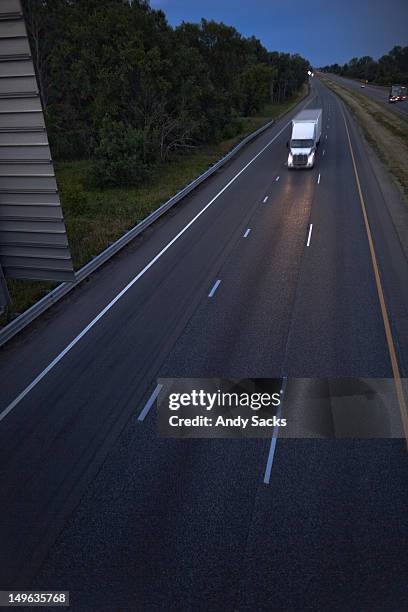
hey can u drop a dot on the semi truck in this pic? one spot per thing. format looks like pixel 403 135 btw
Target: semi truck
pixel 397 93
pixel 305 138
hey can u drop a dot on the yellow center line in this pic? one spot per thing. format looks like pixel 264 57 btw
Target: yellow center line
pixel 386 320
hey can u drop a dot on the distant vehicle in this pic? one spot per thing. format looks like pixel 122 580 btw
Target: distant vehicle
pixel 362 85
pixel 397 93
pixel 306 133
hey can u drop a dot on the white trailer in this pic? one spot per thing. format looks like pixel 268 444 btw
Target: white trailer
pixel 306 133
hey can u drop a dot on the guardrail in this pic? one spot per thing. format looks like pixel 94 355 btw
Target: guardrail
pixel 20 322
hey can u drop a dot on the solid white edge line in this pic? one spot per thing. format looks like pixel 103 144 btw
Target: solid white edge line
pixel 310 234
pixel 214 289
pixel 99 316
pixel 247 233
pixel 149 403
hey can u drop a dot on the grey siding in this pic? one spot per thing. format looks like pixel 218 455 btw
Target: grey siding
pixel 33 241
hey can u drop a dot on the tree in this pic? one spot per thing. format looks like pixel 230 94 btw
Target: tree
pixel 107 67
pixel 390 68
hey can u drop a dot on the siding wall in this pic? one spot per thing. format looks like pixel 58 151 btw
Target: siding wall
pixel 33 241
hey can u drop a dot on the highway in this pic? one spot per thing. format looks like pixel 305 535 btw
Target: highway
pixel 373 91
pixel 261 272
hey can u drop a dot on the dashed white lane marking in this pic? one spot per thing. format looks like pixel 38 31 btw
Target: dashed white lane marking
pixel 149 403
pixel 214 289
pixel 247 233
pixel 325 137
pixel 310 235
pixel 277 178
pixel 265 199
pixel 324 151
pixel 274 440
pixel 318 179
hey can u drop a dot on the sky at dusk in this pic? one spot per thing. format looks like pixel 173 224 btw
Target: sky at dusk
pixel 323 31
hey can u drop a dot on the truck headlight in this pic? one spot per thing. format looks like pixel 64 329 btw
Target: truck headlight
pixel 310 158
pixel 290 158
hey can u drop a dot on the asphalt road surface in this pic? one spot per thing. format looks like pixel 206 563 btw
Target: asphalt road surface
pixel 373 91
pixel 93 502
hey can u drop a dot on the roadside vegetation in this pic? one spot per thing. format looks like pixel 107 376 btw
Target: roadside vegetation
pixel 123 88
pixel 391 68
pixel 386 132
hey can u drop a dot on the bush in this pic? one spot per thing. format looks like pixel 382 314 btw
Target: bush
pixel 74 197
pixel 232 129
pixel 118 158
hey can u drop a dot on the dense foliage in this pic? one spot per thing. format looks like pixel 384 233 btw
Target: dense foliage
pixel 391 68
pixel 118 83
